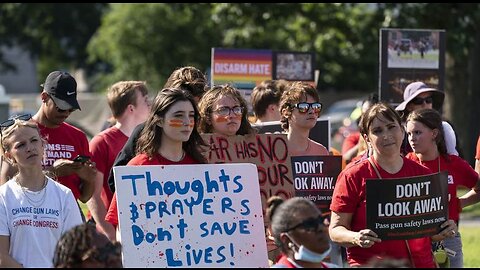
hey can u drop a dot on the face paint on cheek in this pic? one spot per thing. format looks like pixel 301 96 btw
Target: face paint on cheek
pixel 175 123
pixel 221 119
pixel 192 124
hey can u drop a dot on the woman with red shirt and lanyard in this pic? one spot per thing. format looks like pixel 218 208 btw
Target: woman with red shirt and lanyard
pixel 170 136
pixel 425 135
pixel 381 128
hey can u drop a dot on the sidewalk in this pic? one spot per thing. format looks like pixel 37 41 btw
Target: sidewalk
pixel 469 221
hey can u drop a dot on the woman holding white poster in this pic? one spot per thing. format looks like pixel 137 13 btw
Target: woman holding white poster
pixel 427 139
pixel 170 136
pixel 381 128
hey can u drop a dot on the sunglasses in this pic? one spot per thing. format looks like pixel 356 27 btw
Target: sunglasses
pixel 419 100
pixel 309 225
pixel 60 110
pixel 11 120
pixel 303 107
pixel 225 111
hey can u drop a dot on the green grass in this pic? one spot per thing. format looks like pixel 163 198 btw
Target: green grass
pixel 84 208
pixel 472 211
pixel 471 249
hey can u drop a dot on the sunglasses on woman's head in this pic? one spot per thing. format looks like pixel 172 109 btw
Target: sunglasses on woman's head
pixel 11 120
pixel 419 100
pixel 310 224
pixel 303 107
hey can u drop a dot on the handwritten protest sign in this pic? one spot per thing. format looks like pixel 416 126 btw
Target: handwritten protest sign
pixel 319 133
pixel 315 177
pixel 406 208
pixel 205 215
pixel 268 151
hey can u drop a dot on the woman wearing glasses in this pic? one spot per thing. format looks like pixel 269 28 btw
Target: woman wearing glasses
pixel 381 128
pixel 418 95
pixel 223 110
pixel 298 229
pixel 425 135
pixel 35 210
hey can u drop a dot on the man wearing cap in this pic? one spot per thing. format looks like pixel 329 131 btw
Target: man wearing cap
pixel 64 141
pixel 418 95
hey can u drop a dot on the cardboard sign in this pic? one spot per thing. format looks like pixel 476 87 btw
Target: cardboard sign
pixel 409 55
pixel 319 133
pixel 268 151
pixel 407 208
pixel 315 177
pixel 206 215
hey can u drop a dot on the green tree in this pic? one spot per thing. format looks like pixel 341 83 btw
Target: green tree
pixel 344 37
pixel 55 34
pixel 148 41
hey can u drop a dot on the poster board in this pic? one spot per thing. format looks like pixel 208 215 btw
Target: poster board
pixel 408 55
pixel 268 151
pixel 407 208
pixel 244 68
pixel 206 215
pixel 315 177
pixel 319 133
pixel 294 66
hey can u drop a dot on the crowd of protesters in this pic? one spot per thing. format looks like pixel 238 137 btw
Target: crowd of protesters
pixel 49 164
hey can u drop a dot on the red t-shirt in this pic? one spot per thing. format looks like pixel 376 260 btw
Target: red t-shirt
pixel 104 148
pixel 350 141
pixel 142 159
pixel 477 155
pixel 460 173
pixel 349 196
pixel 65 142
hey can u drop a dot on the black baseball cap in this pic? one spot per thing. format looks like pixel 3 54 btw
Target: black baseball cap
pixel 62 88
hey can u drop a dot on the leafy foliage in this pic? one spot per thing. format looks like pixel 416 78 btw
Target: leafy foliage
pixel 57 33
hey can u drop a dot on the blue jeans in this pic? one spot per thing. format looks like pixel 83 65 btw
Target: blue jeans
pixel 455 244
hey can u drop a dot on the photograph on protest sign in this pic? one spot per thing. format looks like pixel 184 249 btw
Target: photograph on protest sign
pixel 400 78
pixel 410 48
pixel 207 215
pixel 408 55
pixel 406 208
pixel 294 66
pixel 319 133
pixel 315 177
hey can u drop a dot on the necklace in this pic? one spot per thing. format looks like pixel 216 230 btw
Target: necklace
pixel 31 198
